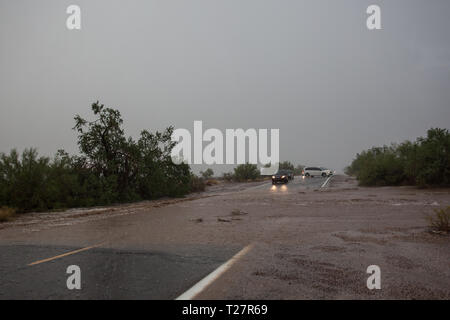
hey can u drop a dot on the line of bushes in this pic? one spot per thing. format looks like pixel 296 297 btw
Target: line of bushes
pixel 109 169
pixel 247 171
pixel 424 163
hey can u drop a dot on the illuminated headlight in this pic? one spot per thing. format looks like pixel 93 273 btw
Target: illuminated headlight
pixel 273 177
pixel 282 177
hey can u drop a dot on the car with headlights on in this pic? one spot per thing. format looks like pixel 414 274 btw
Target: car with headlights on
pixel 281 176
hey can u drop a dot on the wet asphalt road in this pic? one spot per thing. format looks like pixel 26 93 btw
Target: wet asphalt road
pixel 160 272
pixel 105 273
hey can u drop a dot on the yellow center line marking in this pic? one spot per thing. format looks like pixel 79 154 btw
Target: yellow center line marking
pixel 65 254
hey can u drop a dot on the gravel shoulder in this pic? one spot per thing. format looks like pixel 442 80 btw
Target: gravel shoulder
pixel 318 245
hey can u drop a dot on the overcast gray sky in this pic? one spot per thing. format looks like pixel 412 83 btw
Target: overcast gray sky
pixel 310 68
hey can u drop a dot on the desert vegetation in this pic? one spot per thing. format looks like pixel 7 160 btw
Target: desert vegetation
pixel 245 172
pixel 440 220
pixel 250 172
pixel 110 168
pixel 424 162
pixel 6 214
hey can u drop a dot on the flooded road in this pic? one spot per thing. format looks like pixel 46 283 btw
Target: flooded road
pixel 304 242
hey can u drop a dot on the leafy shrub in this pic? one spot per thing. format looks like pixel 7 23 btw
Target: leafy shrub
pixel 432 158
pixel 208 173
pixel 25 181
pixel 440 221
pixel 228 176
pixel 6 214
pixel 425 162
pixel 244 172
pixel 381 166
pixel 197 184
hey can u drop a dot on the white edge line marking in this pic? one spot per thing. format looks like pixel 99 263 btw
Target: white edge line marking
pixel 210 278
pixel 326 182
